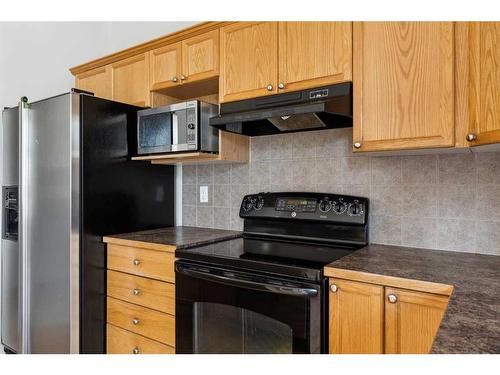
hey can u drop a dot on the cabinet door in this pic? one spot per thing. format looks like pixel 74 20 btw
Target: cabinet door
pixel 200 57
pixel 484 71
pixel 411 320
pixel 97 81
pixel 166 66
pixel 130 79
pixel 248 60
pixel 403 77
pixel 314 54
pixel 356 318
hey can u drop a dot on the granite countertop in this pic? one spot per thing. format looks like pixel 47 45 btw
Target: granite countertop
pixel 172 238
pixel 471 323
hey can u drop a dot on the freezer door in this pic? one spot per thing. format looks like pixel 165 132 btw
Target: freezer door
pixel 10 293
pixel 50 184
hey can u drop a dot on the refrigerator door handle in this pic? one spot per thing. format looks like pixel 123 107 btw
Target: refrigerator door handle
pixel 23 205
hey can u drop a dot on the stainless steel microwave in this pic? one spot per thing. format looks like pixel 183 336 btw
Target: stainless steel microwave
pixel 178 127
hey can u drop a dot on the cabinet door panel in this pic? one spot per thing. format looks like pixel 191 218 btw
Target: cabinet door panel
pixel 403 76
pixel 249 60
pixel 200 56
pixel 130 79
pixel 314 54
pixel 97 81
pixel 412 321
pixel 356 318
pixel 484 57
pixel 166 66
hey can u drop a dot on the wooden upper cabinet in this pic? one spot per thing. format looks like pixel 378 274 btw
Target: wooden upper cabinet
pixel 166 66
pixel 248 60
pixel 412 320
pixel 200 57
pixel 97 81
pixel 130 80
pixel 356 318
pixel 403 85
pixel 313 54
pixel 191 60
pixel 484 73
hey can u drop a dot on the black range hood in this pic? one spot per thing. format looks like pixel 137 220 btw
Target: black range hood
pixel 312 109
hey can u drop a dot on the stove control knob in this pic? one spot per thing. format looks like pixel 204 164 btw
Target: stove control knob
pixel 339 206
pixel 259 202
pixel 355 209
pixel 325 205
pixel 248 204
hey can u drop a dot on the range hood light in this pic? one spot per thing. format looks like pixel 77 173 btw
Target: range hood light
pixel 285 117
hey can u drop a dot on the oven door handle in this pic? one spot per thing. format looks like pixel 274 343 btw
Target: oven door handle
pixel 234 281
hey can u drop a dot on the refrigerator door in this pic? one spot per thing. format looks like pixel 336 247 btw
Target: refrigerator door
pixel 10 293
pixel 50 223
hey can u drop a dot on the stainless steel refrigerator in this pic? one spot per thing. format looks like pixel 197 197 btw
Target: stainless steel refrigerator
pixel 67 181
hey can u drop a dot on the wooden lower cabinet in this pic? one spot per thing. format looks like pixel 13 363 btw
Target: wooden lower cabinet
pixel 356 317
pixel 141 300
pixel 120 341
pixel 412 320
pixel 373 319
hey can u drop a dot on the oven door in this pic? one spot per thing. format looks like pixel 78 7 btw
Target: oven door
pixel 161 130
pixel 224 311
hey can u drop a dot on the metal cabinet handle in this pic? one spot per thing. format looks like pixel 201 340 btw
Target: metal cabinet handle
pixel 269 87
pixel 135 321
pixel 392 298
pixel 136 350
pixel 281 85
pixel 183 77
pixel 136 292
pixel 174 79
pixel 136 262
pixel 334 288
pixel 357 144
pixel 471 137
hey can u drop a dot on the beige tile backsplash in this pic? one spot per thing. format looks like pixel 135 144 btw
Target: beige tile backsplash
pixel 442 201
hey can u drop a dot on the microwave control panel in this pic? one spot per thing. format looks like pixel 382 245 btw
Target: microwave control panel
pixel 191 128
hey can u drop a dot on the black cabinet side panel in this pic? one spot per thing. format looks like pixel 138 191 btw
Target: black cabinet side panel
pixel 117 196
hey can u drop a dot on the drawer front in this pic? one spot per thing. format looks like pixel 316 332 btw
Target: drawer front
pixel 157 295
pixel 146 322
pixel 120 341
pixel 149 263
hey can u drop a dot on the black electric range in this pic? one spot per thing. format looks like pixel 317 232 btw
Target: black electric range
pixel 266 292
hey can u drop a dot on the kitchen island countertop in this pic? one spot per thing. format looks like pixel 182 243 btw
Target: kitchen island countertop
pixel 471 323
pixel 172 238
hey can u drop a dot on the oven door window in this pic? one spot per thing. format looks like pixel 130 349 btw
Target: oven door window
pixel 155 130
pixel 225 329
pixel 233 312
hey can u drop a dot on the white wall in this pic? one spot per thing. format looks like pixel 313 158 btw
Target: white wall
pixel 35 56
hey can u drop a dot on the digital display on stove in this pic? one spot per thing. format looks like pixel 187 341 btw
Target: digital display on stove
pixel 296 204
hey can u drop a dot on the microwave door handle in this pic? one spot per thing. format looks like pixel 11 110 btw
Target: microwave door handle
pixel 234 281
pixel 175 128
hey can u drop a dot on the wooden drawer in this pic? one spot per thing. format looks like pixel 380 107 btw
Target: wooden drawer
pixel 150 293
pixel 146 322
pixel 120 341
pixel 149 263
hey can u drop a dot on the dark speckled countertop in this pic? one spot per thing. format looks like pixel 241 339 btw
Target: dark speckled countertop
pixel 175 237
pixel 471 323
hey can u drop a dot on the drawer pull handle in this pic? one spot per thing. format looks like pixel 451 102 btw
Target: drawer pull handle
pixel 136 350
pixel 135 321
pixel 136 292
pixel 136 262
pixel 334 288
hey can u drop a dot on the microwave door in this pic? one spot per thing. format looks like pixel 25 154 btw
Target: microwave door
pixel 179 131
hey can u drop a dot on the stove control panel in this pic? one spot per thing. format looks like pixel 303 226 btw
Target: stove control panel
pixel 305 206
